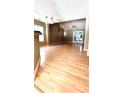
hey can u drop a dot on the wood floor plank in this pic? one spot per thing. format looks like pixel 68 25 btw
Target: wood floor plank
pixel 63 69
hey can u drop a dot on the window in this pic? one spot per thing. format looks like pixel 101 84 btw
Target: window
pixel 78 36
pixel 39 28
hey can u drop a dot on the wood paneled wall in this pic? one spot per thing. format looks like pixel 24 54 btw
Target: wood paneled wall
pixel 56 31
pixel 71 26
pixel 56 34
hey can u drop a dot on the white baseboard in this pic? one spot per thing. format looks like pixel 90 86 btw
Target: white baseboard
pixel 85 50
pixel 87 53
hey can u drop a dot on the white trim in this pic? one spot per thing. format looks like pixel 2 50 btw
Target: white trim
pixel 85 50
pixel 87 53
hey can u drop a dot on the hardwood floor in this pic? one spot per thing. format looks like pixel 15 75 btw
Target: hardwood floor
pixel 63 69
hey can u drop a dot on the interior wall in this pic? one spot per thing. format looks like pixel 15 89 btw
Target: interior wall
pixel 62 32
pixel 56 34
pixel 71 26
pixel 40 23
pixel 36 49
pixel 69 35
pixel 86 35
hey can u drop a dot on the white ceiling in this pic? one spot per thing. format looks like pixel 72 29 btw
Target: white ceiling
pixel 61 10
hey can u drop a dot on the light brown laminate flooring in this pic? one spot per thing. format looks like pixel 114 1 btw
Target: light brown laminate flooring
pixel 63 69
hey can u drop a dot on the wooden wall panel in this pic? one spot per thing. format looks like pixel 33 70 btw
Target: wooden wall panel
pixel 71 26
pixel 56 34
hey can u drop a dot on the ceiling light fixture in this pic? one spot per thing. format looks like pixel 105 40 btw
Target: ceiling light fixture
pixel 49 20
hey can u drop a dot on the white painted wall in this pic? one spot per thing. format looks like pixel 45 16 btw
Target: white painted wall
pixel 86 40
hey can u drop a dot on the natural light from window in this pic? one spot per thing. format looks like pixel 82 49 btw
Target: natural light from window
pixel 39 28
